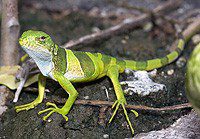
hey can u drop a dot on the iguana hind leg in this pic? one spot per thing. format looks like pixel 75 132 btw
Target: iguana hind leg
pixel 69 88
pixel 113 74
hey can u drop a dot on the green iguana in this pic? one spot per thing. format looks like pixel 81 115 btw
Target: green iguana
pixel 193 79
pixel 66 67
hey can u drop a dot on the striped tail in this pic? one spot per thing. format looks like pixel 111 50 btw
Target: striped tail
pixel 158 62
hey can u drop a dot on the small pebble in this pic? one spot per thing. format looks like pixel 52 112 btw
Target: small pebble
pixel 128 71
pixel 180 10
pixel 49 120
pixel 104 14
pixel 106 90
pixel 126 37
pixel 128 92
pixel 196 39
pixel 105 136
pixel 94 11
pixel 153 73
pixel 170 72
pixel 124 124
pixel 147 27
pixel 86 97
pixel 181 62
pixel 123 41
pixel 162 73
pixel 95 29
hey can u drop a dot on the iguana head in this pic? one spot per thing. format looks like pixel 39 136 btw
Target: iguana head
pixel 39 46
pixel 37 41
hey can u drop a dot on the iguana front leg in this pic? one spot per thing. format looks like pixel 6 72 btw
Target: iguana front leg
pixel 69 88
pixel 113 73
pixel 38 100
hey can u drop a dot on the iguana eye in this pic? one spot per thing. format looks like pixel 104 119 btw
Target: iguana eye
pixel 42 38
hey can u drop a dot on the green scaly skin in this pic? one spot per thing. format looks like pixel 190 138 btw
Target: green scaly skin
pixel 193 79
pixel 66 66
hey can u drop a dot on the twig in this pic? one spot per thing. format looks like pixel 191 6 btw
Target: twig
pixel 126 25
pixel 35 90
pixel 19 88
pixel 192 29
pixel 136 107
pixel 191 14
pixel 126 5
pixel 108 103
pixel 23 75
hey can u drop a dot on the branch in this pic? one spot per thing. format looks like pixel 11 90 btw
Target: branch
pixel 191 30
pixel 136 107
pixel 9 34
pixel 126 25
pixel 108 103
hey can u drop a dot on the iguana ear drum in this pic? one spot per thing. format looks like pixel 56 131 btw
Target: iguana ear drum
pixel 59 59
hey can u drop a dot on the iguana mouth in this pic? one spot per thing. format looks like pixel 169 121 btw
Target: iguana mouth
pixel 22 42
pixel 35 50
pixel 25 43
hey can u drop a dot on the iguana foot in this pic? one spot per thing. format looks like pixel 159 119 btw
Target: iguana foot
pixel 122 103
pixel 52 110
pixel 28 106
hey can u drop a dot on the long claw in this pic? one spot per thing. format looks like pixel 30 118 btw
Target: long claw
pixel 27 107
pixel 127 118
pixel 114 104
pixel 22 106
pixel 51 104
pixel 47 116
pixel 53 109
pixel 122 103
pixel 66 118
pixel 114 113
pixel 43 111
pixel 135 113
